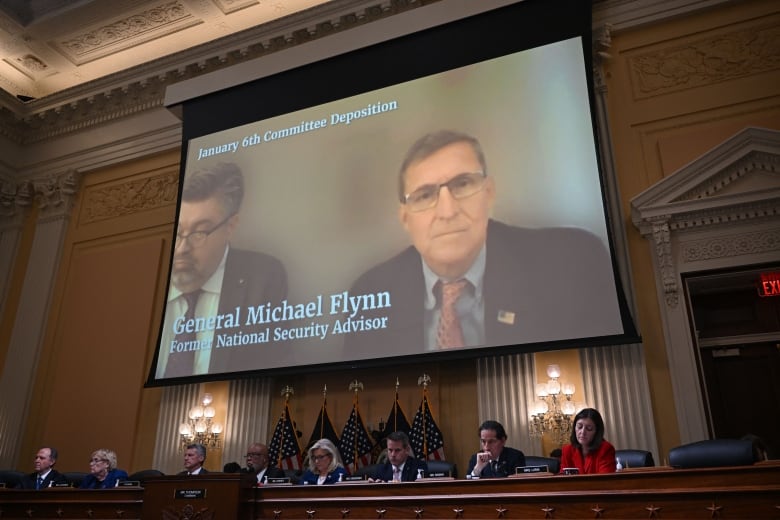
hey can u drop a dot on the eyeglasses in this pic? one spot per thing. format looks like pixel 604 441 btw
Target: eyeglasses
pixel 255 455
pixel 488 441
pixel 461 186
pixel 95 461
pixel 197 238
pixel 317 458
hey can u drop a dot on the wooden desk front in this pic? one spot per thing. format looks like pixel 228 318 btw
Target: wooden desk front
pixel 750 492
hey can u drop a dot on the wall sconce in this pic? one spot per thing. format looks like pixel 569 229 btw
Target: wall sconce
pixel 554 409
pixel 200 427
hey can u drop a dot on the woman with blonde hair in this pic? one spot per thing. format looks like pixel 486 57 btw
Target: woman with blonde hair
pixel 325 465
pixel 103 473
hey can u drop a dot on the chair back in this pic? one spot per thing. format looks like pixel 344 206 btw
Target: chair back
pixel 366 471
pixel 436 467
pixel 11 478
pixel 635 458
pixel 143 475
pixel 712 453
pixel 553 464
pixel 74 478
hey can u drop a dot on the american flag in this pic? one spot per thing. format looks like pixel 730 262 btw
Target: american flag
pixel 355 445
pixel 396 420
pixel 285 449
pixel 324 428
pixel 426 438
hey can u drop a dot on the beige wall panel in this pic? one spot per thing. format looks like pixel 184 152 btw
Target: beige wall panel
pixel 674 91
pixel 101 341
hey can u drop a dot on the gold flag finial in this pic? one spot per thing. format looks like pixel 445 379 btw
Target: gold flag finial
pixel 356 385
pixel 324 391
pixel 287 391
pixel 424 380
pixel 397 384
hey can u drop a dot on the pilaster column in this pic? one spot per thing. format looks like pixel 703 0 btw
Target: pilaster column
pixel 54 195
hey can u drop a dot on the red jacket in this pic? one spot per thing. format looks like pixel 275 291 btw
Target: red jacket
pixel 600 461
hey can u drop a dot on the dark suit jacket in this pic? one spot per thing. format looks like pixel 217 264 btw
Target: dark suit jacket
pixel 408 473
pixel 250 279
pixel 529 296
pixel 115 475
pixel 310 478
pixel 54 477
pixel 508 460
pixel 184 473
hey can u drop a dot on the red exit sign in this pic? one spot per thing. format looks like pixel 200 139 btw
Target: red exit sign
pixel 769 284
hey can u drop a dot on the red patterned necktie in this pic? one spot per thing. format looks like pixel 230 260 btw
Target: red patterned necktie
pixel 449 333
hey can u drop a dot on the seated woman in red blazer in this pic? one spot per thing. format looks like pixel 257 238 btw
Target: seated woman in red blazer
pixel 588 451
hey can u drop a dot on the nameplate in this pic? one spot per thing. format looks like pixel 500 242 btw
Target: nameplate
pixel 190 494
pixel 570 471
pixel 130 483
pixel 60 484
pixel 278 480
pixel 353 478
pixel 532 469
pixel 437 474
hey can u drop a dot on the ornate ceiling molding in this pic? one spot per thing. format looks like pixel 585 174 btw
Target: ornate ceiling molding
pixel 142 88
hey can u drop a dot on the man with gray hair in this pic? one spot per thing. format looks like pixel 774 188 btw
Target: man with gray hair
pixel 194 457
pixel 45 475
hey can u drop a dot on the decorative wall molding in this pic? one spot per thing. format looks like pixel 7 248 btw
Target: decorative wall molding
pixel 55 195
pixel 721 211
pixel 732 245
pixel 714 59
pixel 134 196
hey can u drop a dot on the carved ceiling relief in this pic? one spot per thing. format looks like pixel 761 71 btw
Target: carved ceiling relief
pixel 149 93
pixel 105 202
pixel 718 58
pixel 122 34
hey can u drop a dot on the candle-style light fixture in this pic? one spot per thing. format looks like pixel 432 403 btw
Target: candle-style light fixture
pixel 200 426
pixel 553 409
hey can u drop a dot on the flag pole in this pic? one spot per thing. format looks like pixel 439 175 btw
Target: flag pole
pixel 424 380
pixel 355 386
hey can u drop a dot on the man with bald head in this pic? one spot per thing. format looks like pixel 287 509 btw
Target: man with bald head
pixel 257 463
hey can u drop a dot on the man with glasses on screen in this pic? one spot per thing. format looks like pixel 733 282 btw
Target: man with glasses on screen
pixel 469 280
pixel 210 278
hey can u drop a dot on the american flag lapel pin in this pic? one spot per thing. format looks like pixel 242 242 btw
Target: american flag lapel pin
pixel 506 317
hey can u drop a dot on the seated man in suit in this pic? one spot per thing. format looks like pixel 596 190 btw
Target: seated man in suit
pixel 45 475
pixel 468 280
pixel 494 459
pixel 210 280
pixel 401 466
pixel 194 457
pixel 257 463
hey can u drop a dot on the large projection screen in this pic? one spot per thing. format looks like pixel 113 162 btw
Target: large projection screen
pixel 323 264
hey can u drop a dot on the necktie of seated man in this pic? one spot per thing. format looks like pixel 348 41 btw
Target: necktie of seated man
pixel 39 483
pixel 396 474
pixel 449 334
pixel 182 363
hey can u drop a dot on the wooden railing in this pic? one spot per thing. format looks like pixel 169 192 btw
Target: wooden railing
pixel 749 492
